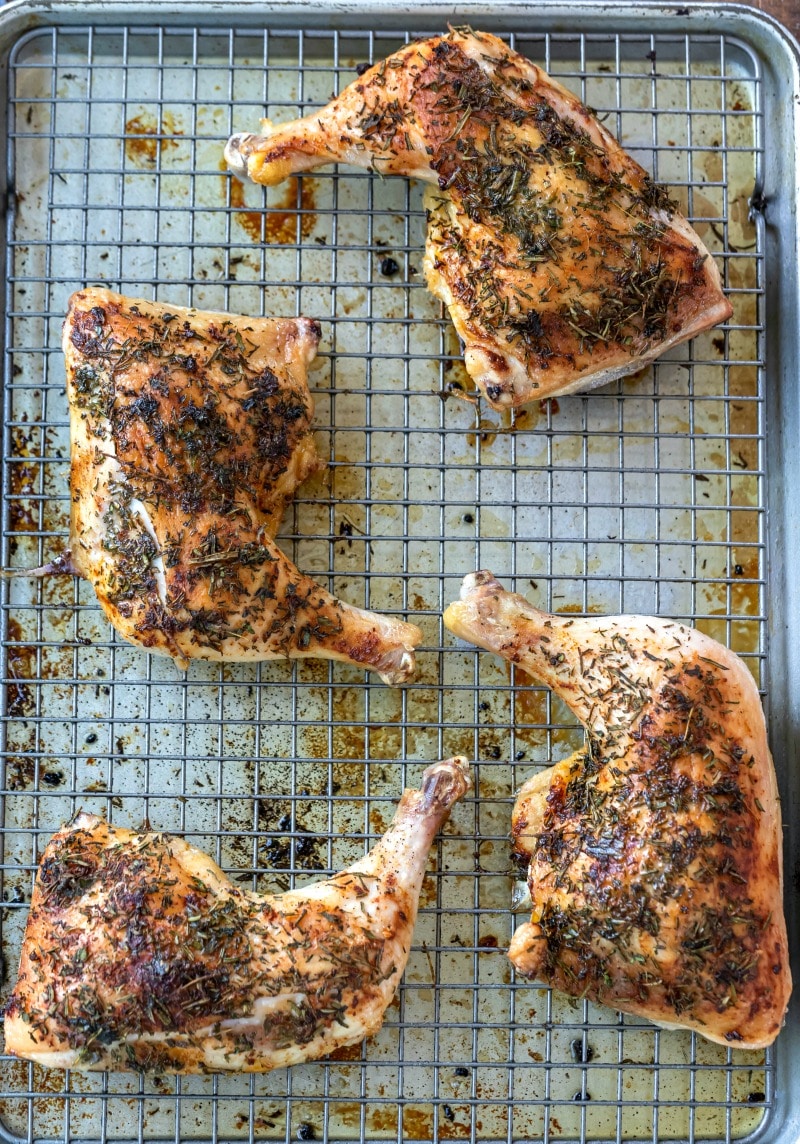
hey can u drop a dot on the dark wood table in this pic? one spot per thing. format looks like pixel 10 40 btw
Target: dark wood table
pixel 787 11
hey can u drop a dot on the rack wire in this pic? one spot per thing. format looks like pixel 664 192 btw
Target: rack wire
pixel 646 496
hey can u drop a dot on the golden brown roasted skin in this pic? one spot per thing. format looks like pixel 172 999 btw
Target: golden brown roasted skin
pixel 139 953
pixel 190 432
pixel 562 264
pixel 655 854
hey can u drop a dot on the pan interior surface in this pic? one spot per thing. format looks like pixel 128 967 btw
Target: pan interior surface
pixel 646 496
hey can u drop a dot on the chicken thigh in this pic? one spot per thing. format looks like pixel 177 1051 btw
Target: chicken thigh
pixel 562 264
pixel 190 432
pixel 655 853
pixel 139 953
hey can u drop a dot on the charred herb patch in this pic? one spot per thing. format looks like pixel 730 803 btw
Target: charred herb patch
pixel 657 197
pixel 495 166
pixel 638 303
pixel 133 549
pixel 94 393
pixel 646 841
pixel 69 872
pixel 196 431
pixel 191 954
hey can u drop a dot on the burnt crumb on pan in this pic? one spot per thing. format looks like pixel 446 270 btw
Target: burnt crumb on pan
pixel 581 1053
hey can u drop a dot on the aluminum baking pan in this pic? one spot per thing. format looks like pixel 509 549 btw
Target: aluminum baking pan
pixel 673 492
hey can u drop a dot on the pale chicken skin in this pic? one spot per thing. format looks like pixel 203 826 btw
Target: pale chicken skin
pixel 655 853
pixel 562 264
pixel 190 432
pixel 139 953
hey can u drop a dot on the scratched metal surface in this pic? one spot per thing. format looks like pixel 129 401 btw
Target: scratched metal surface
pixel 646 496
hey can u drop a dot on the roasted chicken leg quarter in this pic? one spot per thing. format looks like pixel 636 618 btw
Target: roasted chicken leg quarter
pixel 190 432
pixel 655 853
pixel 562 264
pixel 139 953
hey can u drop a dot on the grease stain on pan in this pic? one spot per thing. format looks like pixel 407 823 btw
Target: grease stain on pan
pixel 145 139
pixel 280 221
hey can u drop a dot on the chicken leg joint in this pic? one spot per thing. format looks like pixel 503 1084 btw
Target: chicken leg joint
pixel 190 433
pixel 655 860
pixel 562 264
pixel 139 953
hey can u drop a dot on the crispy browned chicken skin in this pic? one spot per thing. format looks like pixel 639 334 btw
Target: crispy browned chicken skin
pixel 655 853
pixel 140 953
pixel 562 264
pixel 190 432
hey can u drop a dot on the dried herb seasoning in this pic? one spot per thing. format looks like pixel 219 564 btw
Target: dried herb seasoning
pixel 148 950
pixel 634 831
pixel 201 434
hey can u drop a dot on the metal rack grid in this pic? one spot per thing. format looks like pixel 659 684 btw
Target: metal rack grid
pixel 645 496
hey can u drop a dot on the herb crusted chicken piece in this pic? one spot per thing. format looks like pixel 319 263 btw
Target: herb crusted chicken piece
pixel 190 432
pixel 655 860
pixel 563 265
pixel 139 953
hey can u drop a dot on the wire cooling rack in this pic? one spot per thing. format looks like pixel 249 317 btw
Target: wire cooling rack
pixel 645 496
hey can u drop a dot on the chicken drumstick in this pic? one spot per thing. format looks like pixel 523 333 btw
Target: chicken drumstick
pixel 140 953
pixel 655 853
pixel 190 432
pixel 562 264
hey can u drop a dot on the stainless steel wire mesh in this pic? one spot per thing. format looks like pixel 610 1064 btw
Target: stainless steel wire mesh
pixel 647 496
